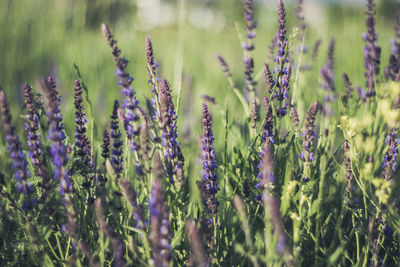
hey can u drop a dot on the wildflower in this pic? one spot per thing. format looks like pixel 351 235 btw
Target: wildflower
pixel 248 73
pixel 315 50
pixel 82 144
pixel 106 146
pixel 32 127
pixel 308 135
pixel 208 186
pixel 269 122
pixel 117 151
pixel 173 157
pixel 14 147
pixel 269 79
pixel 251 24
pixel 392 71
pixel 130 103
pixel 224 66
pixel 372 52
pixel 390 161
pixel 283 68
pixel 154 80
pixel 349 88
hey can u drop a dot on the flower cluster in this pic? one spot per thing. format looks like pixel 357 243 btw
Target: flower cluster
pixel 349 88
pixel 106 146
pixel 32 127
pixel 269 122
pixel 57 136
pixel 82 144
pixel 307 155
pixel 390 160
pixel 117 159
pixel 208 186
pixel 224 66
pixel 283 67
pixel 251 24
pixel 130 103
pixel 16 154
pixel 173 157
pixel 154 80
pixel 392 71
pixel 269 79
pixel 372 52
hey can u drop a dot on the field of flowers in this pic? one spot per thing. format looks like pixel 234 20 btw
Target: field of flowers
pixel 277 146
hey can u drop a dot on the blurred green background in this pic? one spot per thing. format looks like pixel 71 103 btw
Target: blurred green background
pixel 47 37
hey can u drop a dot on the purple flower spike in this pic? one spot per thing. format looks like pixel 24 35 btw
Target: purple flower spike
pixel 307 155
pixel 56 133
pixel 154 80
pixel 390 160
pixel 208 186
pixel 248 46
pixel 33 129
pixel 82 144
pixel 106 146
pixel 392 71
pixel 15 149
pixel 372 52
pixel 174 160
pixel 130 103
pixel 117 151
pixel 283 67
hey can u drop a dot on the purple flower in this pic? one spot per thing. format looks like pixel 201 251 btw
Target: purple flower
pixel 283 67
pixel 32 127
pixel 208 186
pixel 57 137
pixel 390 159
pixel 82 144
pixel 173 157
pixel 130 103
pixel 15 150
pixel 372 52
pixel 308 135
pixel 117 150
pixel 106 146
pixel 154 80
pixel 392 71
